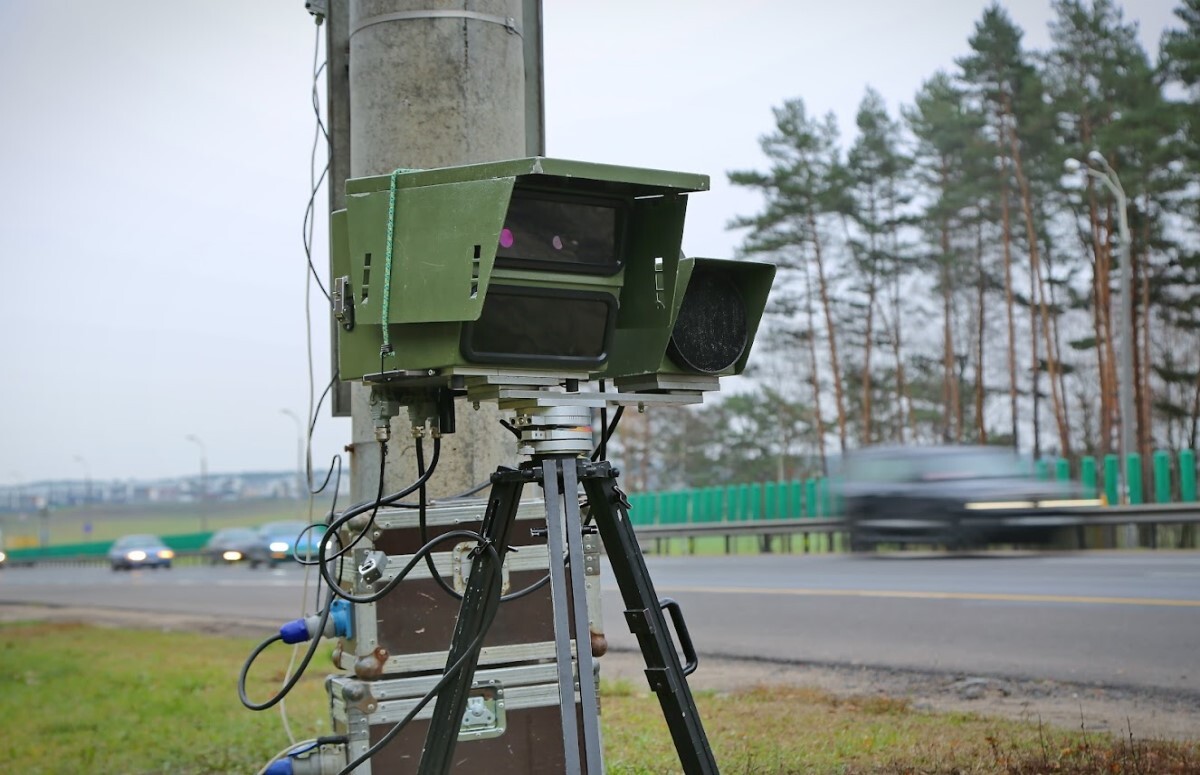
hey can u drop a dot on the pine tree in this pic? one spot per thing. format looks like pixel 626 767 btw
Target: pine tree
pixel 801 189
pixel 950 162
pixel 875 175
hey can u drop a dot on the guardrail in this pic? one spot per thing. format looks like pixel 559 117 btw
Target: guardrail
pixel 832 529
pixel 185 546
pixel 1154 515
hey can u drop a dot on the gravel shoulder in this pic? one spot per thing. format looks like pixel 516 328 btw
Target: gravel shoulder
pixel 1111 710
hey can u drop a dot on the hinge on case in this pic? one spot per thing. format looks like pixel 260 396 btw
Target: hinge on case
pixel 343 302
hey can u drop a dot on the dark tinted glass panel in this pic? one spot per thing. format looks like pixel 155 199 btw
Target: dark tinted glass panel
pixel 583 234
pixel 539 328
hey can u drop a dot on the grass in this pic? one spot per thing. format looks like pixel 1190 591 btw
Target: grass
pixel 815 543
pixel 76 698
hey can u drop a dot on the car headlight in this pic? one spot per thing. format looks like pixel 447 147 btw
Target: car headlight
pixel 3 556
pixel 989 505
pixel 1070 503
pixel 165 554
pixel 279 546
pixel 231 556
pixel 137 555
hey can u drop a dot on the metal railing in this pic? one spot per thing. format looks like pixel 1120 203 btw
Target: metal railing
pixel 1080 518
pixel 832 530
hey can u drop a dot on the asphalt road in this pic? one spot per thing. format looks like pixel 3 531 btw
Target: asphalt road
pixel 1114 619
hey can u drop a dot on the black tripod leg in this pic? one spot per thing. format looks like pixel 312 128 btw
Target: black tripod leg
pixel 479 603
pixel 646 620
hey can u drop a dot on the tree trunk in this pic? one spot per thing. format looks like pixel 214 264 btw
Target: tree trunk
pixel 1194 433
pixel 866 371
pixel 950 397
pixel 834 365
pixel 1064 433
pixel 1104 305
pixel 1006 222
pixel 980 388
pixel 1056 339
pixel 867 431
pixel 1034 370
pixel 1145 402
pixel 818 422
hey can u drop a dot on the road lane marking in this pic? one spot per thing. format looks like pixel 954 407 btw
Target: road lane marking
pixel 919 595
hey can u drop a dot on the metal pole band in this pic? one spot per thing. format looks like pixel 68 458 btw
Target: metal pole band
pixel 507 22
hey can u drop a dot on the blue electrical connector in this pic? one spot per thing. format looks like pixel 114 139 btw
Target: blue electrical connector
pixel 279 767
pixel 339 624
pixel 322 756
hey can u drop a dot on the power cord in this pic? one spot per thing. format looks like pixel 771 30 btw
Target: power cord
pixel 446 676
pixel 323 619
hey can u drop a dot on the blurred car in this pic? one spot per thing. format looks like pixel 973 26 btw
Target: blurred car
pixel 140 551
pixel 952 495
pixel 231 544
pixel 280 541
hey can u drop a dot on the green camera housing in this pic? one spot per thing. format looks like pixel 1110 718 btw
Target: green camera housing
pixel 715 313
pixel 536 266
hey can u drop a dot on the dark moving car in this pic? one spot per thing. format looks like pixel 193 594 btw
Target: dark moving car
pixel 231 544
pixel 140 551
pixel 959 497
pixel 281 541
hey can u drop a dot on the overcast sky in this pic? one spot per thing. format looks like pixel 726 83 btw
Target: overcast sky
pixel 156 171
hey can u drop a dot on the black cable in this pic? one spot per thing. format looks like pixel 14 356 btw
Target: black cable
pixel 423 528
pixel 467 493
pixel 310 209
pixel 601 451
pixel 457 496
pixel 374 506
pixel 602 447
pixel 421 554
pixel 334 463
pixel 295 677
pixel 328 520
pixel 337 459
pixel 433 691
pixel 390 500
pixel 360 508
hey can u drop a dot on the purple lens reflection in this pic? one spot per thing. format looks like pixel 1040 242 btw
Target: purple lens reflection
pixel 556 242
pixel 506 238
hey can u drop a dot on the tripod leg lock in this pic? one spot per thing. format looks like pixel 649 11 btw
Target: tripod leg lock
pixel 480 548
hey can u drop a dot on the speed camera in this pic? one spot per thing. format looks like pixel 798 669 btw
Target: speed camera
pixel 534 266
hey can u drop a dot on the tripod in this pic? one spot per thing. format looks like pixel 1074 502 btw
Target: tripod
pixel 560 473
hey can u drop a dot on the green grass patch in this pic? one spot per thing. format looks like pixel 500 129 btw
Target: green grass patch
pixel 795 543
pixel 76 698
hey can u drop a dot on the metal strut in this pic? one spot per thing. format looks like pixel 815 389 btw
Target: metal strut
pixel 560 476
pixel 644 614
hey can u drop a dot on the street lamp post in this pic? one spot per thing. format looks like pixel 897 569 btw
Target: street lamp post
pixel 1108 177
pixel 15 495
pixel 87 478
pixel 203 480
pixel 301 482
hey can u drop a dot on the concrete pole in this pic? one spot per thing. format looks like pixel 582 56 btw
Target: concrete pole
pixel 433 88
